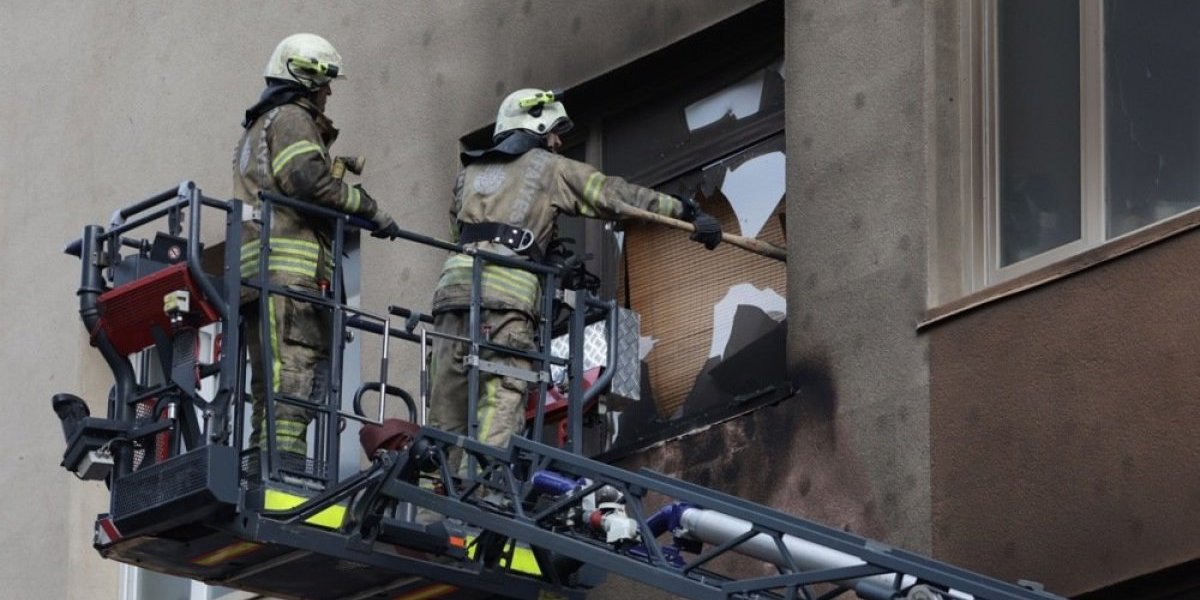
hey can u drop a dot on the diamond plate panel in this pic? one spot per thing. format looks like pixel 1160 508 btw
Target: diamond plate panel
pixel 627 378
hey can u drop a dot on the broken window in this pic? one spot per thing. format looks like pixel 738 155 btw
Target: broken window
pixel 676 132
pixel 712 324
pixel 700 118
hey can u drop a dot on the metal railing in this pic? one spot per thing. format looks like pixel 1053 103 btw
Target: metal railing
pixel 222 419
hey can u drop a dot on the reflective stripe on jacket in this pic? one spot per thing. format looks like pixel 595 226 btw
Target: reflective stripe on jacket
pixel 286 151
pixel 530 191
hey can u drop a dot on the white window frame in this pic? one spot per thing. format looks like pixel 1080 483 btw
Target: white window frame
pixel 984 268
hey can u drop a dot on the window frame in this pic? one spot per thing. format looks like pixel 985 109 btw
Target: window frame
pixel 982 238
pixel 985 268
pixel 964 257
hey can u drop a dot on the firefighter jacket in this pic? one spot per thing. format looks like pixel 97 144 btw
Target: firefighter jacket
pixel 286 151
pixel 529 191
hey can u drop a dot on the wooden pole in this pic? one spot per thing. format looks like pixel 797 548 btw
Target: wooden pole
pixel 756 246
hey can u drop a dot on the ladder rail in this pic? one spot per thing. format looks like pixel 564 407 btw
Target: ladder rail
pixel 661 565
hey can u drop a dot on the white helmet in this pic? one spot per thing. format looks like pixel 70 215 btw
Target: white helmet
pixel 536 111
pixel 307 59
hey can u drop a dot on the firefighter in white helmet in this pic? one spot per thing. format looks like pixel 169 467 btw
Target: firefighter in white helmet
pixel 506 200
pixel 284 149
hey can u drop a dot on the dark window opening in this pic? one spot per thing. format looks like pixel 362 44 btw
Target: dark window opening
pixel 703 118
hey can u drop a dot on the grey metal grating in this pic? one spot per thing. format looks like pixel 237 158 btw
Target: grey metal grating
pixel 161 483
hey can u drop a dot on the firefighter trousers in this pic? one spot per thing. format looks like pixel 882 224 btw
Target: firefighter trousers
pixel 500 411
pixel 298 337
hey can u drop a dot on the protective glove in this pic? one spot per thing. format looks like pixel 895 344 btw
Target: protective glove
pixel 690 209
pixel 708 230
pixel 386 228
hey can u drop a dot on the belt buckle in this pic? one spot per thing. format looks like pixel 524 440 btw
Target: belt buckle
pixel 525 241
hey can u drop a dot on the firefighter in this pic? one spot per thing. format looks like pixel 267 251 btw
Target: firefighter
pixel 284 149
pixel 506 200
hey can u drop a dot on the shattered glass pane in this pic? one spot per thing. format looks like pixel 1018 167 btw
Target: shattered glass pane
pixel 742 294
pixel 712 323
pixel 692 121
pixel 738 101
pixel 750 188
pixel 1152 125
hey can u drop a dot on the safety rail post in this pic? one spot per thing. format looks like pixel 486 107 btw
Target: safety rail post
pixel 231 382
pixel 423 404
pixel 267 351
pixel 575 376
pixel 331 436
pixel 611 316
pixel 474 324
pixel 227 310
pixel 545 334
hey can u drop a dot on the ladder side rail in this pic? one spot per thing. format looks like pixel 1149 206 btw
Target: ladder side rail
pixel 876 558
pixel 875 553
pixel 793 580
pixel 870 551
pixel 528 532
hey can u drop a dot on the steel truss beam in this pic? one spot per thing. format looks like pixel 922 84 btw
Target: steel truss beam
pixel 501 497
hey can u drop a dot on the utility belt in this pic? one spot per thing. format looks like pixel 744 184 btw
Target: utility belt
pixel 517 239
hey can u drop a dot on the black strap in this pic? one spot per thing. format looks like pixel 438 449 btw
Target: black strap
pixel 515 144
pixel 277 93
pixel 519 240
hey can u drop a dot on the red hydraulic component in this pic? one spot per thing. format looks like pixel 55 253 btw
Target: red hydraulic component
pixel 556 405
pixel 394 434
pixel 128 312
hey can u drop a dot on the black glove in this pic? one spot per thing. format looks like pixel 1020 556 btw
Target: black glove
pixel 387 229
pixel 690 209
pixel 708 230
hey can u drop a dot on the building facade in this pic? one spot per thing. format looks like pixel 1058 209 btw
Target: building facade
pixel 981 346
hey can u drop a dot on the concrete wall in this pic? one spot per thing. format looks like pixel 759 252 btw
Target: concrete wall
pixel 1063 424
pixel 859 141
pixel 851 449
pixel 110 102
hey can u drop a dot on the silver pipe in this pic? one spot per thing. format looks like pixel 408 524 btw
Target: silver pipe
pixel 715 528
pixel 424 391
pixel 387 328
